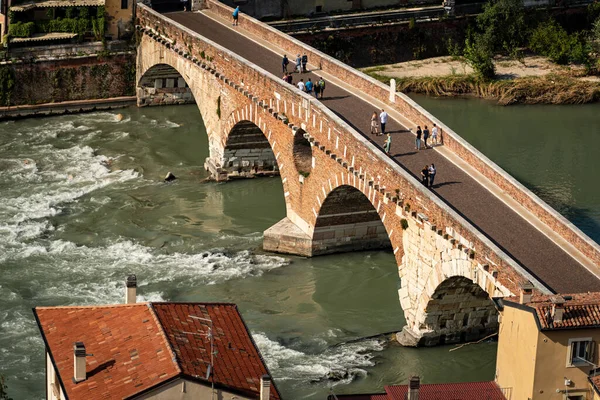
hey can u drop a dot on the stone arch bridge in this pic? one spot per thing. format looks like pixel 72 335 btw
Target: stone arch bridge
pixel 342 192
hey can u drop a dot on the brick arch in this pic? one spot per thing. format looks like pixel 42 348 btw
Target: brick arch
pixel 346 219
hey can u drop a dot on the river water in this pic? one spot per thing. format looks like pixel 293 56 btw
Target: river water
pixel 82 205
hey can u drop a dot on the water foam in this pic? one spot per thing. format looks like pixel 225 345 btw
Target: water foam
pixel 342 363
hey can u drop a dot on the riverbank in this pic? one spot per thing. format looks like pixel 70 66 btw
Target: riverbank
pixel 65 107
pixel 535 80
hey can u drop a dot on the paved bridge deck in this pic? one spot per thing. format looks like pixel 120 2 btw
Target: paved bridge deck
pixel 549 262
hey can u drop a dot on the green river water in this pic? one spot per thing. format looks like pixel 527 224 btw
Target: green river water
pixel 82 205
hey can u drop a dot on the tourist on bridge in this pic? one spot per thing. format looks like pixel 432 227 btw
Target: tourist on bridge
pixel 236 14
pixel 301 85
pixel 298 63
pixel 374 123
pixel 425 136
pixel 304 62
pixel 317 89
pixel 284 63
pixel 383 117
pixel 432 172
pixel 425 175
pixel 308 86
pixel 418 140
pixel 387 144
pixel 321 84
pixel 290 79
pixel 434 135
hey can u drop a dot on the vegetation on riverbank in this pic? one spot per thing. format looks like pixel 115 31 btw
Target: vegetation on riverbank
pixel 547 89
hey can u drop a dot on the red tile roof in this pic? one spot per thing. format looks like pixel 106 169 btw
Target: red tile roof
pixel 450 391
pixel 238 363
pixel 581 310
pixel 436 391
pixel 138 346
pixel 130 351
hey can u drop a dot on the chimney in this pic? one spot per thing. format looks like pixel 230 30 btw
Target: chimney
pixel 526 292
pixel 130 289
pixel 79 365
pixel 265 387
pixel 558 309
pixel 413 388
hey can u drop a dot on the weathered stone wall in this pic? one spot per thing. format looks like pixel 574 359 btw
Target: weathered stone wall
pixel 419 116
pixel 445 292
pixel 340 157
pixel 79 78
pixel 388 43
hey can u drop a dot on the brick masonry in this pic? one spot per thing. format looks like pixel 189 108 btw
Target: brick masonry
pixel 419 116
pixel 437 244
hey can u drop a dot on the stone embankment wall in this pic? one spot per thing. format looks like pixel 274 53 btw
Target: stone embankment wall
pixel 388 43
pixel 419 116
pixel 77 78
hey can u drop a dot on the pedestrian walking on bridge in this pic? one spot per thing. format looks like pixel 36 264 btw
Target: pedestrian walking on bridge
pixel 374 123
pixel 434 135
pixel 284 63
pixel 432 172
pixel 304 62
pixel 298 63
pixel 301 85
pixel 418 139
pixel 425 136
pixel 387 144
pixel 321 84
pixel 383 118
pixel 236 14
pixel 425 175
pixel 308 86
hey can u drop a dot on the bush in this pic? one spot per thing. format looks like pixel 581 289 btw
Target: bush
pixel 551 40
pixel 21 29
pixel 479 55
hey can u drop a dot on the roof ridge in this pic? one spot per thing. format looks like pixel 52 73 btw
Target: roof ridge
pixel 164 336
pixel 91 306
pixel 210 303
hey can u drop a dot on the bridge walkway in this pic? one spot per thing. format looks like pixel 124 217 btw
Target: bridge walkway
pixel 482 203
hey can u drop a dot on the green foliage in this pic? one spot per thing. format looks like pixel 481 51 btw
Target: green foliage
pixel 84 12
pixel 478 54
pixel 21 29
pixel 404 224
pixel 551 40
pixel 72 25
pixel 412 23
pixel 502 25
pixel 7 83
pixel 71 12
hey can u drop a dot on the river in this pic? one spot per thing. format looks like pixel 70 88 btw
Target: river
pixel 82 205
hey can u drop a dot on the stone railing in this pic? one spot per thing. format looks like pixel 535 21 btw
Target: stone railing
pixel 388 184
pixel 419 116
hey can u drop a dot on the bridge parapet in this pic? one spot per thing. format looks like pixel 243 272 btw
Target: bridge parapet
pixel 419 116
pixel 411 214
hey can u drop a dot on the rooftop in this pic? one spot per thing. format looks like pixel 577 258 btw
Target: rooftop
pixel 437 391
pixel 136 347
pixel 56 3
pixel 581 310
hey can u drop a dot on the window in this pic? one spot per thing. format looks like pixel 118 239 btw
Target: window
pixel 123 4
pixel 581 352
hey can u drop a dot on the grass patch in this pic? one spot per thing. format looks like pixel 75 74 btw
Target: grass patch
pixel 550 89
pixel 373 69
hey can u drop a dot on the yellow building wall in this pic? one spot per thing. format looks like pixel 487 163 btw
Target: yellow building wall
pixel 551 368
pixel 119 21
pixel 517 347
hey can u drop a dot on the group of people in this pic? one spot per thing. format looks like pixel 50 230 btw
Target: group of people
pixel 424 133
pixel 381 121
pixel 301 63
pixel 428 175
pixel 317 88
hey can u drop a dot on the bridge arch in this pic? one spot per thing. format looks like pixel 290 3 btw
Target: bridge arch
pixel 347 220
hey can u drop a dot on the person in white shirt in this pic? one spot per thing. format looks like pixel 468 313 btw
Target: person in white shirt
pixel 301 85
pixel 434 135
pixel 383 117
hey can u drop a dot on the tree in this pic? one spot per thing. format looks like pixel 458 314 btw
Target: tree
pixel 503 27
pixel 479 56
